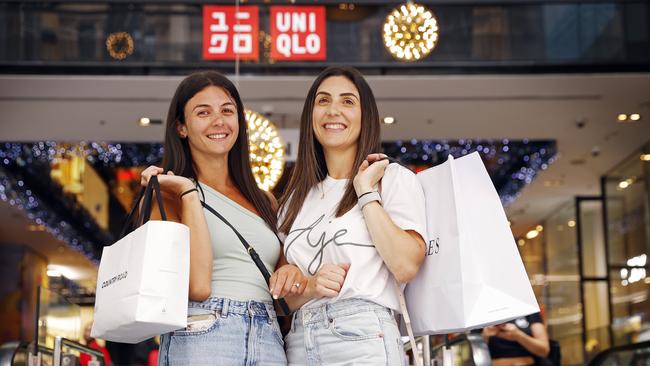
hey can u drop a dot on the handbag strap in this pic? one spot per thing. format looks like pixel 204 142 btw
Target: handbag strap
pixel 409 329
pixel 146 193
pixel 400 294
pixel 155 187
pixel 251 251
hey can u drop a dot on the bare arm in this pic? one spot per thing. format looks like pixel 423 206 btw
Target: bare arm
pixel 327 282
pixel 188 210
pixel 403 251
pixel 536 344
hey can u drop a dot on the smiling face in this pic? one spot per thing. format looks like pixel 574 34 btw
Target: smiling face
pixel 211 125
pixel 336 118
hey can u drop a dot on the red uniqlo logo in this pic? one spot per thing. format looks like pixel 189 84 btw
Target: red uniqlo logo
pixel 298 33
pixel 228 33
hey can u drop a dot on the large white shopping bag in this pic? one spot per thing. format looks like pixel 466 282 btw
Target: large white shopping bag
pixel 472 275
pixel 143 281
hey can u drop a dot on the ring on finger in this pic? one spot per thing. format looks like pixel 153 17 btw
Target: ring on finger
pixel 297 285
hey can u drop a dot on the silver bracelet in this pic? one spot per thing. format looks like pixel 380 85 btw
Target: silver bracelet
pixel 368 197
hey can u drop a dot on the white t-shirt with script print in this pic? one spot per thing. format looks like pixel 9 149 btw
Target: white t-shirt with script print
pixel 318 237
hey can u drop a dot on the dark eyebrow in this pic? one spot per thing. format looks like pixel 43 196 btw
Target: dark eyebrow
pixel 342 94
pixel 201 105
pixel 209 106
pixel 350 95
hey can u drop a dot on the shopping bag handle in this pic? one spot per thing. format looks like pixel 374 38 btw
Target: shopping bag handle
pixel 146 193
pixel 153 186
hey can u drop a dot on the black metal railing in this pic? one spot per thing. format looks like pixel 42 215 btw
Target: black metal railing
pixel 629 354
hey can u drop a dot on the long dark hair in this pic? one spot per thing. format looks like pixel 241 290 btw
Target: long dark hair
pixel 177 156
pixel 310 168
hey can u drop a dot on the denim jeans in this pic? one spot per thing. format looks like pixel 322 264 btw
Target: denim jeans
pixel 345 332
pixel 225 332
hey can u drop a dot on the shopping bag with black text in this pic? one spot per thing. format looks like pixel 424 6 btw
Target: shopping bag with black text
pixel 473 275
pixel 143 279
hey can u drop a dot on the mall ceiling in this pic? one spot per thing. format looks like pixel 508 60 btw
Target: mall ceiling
pixel 578 111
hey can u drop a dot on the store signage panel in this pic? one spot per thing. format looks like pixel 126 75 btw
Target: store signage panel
pixel 298 33
pixel 228 31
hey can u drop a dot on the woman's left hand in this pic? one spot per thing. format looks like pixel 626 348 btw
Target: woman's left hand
pixel 370 173
pixel 287 280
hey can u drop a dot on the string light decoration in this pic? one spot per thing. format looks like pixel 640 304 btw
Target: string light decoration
pixel 25 181
pixel 119 45
pixel 511 164
pixel 266 150
pixel 410 32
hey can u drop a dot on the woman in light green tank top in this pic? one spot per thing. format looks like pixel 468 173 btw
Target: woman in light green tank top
pixel 231 318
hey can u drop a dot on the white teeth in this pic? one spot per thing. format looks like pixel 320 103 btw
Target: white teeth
pixel 334 126
pixel 217 136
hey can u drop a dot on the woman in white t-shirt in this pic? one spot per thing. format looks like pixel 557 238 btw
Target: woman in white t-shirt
pixel 354 224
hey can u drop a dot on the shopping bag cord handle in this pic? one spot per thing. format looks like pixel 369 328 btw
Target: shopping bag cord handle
pixel 146 193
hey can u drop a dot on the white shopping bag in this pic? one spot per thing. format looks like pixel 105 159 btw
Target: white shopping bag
pixel 472 275
pixel 143 282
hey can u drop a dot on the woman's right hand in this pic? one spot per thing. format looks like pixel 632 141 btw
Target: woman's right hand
pixel 328 281
pixel 169 183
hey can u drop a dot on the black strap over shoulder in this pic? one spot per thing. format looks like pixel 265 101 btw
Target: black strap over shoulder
pixel 251 251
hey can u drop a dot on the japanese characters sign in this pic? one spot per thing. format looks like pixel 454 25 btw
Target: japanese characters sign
pixel 228 32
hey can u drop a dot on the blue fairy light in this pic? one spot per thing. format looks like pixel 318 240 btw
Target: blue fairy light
pixel 511 164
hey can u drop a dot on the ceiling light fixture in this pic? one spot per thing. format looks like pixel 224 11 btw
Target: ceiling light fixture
pixel 622 117
pixel 552 183
pixel 33 227
pixel 146 121
pixel 532 234
pixel 625 183
pixel 53 273
pixel 389 120
pixel 571 223
pixel 645 157
pixel 635 117
pixel 410 32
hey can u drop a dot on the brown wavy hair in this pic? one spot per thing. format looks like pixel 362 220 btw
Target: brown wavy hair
pixel 177 156
pixel 310 168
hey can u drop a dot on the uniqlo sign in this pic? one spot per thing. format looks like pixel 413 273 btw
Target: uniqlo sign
pixel 298 33
pixel 228 33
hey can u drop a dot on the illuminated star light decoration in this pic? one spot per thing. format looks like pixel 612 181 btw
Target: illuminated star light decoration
pixel 410 32
pixel 266 150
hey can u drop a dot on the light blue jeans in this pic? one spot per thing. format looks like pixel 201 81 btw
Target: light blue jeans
pixel 225 332
pixel 346 332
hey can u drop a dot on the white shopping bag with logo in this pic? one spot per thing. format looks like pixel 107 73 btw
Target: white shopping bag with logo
pixel 143 279
pixel 473 275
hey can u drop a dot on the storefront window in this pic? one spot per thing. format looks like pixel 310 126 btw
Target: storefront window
pixel 626 190
pixel 562 300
